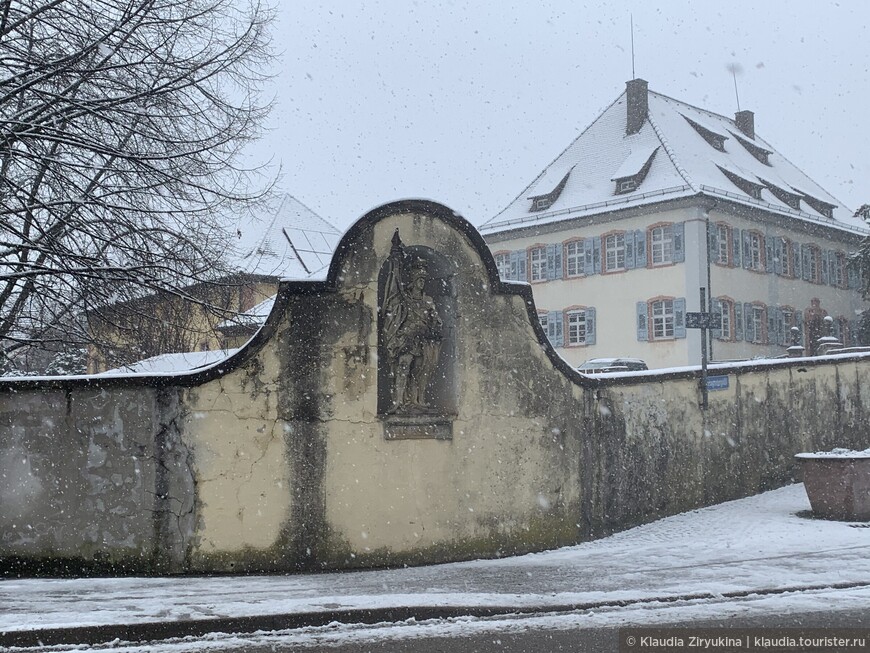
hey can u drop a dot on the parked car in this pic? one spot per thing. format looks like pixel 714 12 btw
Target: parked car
pixel 601 365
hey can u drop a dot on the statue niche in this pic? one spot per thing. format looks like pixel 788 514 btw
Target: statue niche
pixel 415 339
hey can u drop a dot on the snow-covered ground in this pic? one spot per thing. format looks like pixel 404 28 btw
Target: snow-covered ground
pixel 750 556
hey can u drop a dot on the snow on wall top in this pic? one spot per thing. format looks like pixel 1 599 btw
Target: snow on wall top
pixel 254 316
pixel 172 363
pixel 688 165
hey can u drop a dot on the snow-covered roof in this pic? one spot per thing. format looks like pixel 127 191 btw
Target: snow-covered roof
pixel 254 316
pixel 287 240
pixel 688 165
pixel 172 363
pixel 636 159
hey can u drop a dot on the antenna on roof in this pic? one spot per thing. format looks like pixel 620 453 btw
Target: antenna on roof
pixel 631 17
pixel 735 68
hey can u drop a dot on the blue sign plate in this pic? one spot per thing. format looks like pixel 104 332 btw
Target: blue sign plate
pixel 717 382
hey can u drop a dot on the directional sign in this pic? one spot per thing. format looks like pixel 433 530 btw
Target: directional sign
pixel 703 320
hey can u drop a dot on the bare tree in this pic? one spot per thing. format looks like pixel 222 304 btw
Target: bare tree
pixel 133 330
pixel 121 128
pixel 860 263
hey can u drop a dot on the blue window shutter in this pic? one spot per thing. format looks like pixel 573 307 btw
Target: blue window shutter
pixel 796 261
pixel 805 263
pixel 799 323
pixel 747 258
pixel 825 264
pixel 629 250
pixel 738 321
pixel 640 248
pixel 735 247
pixel 558 339
pixel 551 262
pixel 679 232
pixel 778 253
pixel 785 327
pixel 513 268
pixel 768 253
pixel 851 275
pixel 558 272
pixel 772 332
pixel 748 324
pixel 552 318
pixel 590 326
pixel 521 265
pixel 588 258
pixel 642 326
pixel 596 254
pixel 781 327
pixel 712 242
pixel 718 307
pixel 680 318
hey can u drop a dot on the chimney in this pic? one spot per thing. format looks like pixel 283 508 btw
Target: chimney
pixel 637 102
pixel 746 123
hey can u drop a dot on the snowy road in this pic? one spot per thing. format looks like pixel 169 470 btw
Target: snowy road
pixel 756 555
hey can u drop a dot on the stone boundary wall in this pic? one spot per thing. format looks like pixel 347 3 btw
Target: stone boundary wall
pixel 282 458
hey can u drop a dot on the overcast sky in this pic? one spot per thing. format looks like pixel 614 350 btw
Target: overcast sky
pixel 466 102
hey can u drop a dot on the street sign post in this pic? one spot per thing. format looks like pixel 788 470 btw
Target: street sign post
pixel 703 320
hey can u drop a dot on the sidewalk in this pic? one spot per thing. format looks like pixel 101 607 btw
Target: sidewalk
pixel 755 546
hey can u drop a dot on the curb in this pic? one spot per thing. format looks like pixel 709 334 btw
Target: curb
pixel 159 630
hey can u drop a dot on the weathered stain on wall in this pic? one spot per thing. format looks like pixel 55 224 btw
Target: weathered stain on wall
pixel 77 476
pixel 277 459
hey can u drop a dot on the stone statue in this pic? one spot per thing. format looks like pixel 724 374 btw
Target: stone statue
pixel 412 332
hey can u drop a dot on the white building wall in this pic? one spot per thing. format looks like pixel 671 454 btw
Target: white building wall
pixel 614 296
pixel 774 290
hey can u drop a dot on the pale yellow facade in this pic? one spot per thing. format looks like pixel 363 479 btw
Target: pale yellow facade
pixel 163 324
pixel 615 296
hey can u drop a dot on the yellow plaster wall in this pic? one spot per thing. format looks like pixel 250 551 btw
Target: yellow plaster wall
pixel 500 471
pixel 242 473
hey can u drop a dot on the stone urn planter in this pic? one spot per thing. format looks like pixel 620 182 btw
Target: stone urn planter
pixel 838 483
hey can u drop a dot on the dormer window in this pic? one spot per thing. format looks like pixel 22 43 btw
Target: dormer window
pixel 823 208
pixel 627 186
pixel 791 199
pixel 757 151
pixel 751 188
pixel 544 202
pixel 715 139
pixel 634 169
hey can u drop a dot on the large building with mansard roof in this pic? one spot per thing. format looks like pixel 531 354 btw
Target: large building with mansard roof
pixel 658 199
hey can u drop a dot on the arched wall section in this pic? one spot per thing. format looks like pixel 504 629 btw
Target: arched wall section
pixel 280 459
